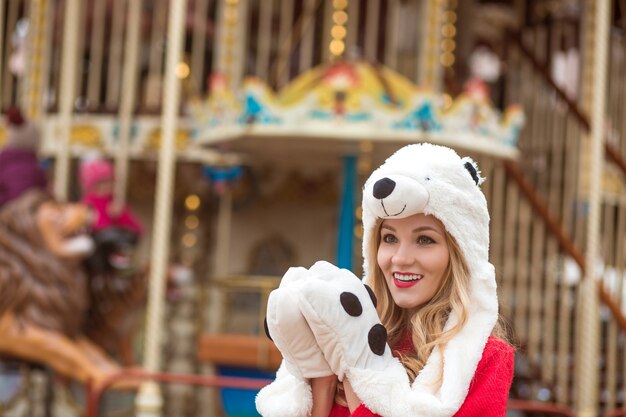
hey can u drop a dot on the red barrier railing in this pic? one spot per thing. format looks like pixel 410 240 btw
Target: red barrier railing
pixel 94 394
pixel 539 407
pixel 621 412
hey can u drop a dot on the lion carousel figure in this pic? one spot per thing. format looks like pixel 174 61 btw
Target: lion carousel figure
pixel 66 293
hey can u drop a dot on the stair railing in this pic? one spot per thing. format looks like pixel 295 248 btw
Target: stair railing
pixel 555 196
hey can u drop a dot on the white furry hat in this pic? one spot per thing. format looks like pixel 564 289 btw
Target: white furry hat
pixel 430 179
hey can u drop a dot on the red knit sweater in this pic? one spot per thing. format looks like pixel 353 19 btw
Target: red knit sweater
pixel 488 391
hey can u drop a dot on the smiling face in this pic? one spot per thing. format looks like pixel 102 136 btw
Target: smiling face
pixel 413 255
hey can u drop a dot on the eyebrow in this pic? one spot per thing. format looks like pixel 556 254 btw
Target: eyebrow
pixel 416 230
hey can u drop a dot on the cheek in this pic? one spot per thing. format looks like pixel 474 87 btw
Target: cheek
pixel 382 257
pixel 441 260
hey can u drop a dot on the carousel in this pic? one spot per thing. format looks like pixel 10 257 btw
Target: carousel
pixel 194 151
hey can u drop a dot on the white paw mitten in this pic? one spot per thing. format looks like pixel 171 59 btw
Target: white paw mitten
pixel 290 393
pixel 341 312
pixel 289 330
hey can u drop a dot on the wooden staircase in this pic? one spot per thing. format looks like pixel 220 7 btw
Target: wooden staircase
pixel 538 227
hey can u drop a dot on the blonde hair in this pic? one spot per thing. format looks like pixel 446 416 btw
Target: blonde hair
pixel 426 324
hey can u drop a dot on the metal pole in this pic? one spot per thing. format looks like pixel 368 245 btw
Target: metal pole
pixel 345 238
pixel 2 6
pixel 428 68
pixel 127 105
pixel 149 401
pixel 587 377
pixel 66 101
pixel 34 85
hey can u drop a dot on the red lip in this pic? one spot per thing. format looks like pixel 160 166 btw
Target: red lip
pixel 405 284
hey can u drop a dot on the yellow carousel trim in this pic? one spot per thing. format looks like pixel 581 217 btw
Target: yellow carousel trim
pixel 353 101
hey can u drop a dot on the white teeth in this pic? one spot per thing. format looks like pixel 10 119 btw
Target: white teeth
pixel 407 277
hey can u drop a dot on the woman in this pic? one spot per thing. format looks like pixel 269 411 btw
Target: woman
pixel 425 249
pixel 414 306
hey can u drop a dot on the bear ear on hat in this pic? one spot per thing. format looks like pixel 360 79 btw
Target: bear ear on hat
pixel 473 170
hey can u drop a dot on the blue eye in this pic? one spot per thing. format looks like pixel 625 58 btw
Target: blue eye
pixel 425 240
pixel 389 238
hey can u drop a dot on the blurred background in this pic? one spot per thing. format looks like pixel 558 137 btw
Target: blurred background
pixel 238 134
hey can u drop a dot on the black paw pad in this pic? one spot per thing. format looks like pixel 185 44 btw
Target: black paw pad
pixel 267 329
pixel 351 304
pixel 377 339
pixel 372 296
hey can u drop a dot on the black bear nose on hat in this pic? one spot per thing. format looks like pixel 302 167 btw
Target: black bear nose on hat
pixel 383 187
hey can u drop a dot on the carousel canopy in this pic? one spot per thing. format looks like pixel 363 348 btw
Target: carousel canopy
pixel 340 104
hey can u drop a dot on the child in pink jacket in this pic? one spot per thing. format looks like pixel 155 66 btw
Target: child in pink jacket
pixel 97 179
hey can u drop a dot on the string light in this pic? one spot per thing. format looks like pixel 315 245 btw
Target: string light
pixel 189 240
pixel 337 45
pixel 364 164
pixel 192 202
pixel 182 70
pixel 231 20
pixel 448 33
pixel 340 17
pixel 192 222
pixel 358 213
pixel 190 237
pixel 35 58
pixel 338 32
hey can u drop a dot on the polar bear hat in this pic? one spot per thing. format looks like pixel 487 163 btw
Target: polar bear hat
pixel 434 180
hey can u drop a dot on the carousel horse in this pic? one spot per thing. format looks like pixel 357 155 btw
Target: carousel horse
pixel 50 306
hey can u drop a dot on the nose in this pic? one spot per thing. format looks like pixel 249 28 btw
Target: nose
pixel 383 187
pixel 402 255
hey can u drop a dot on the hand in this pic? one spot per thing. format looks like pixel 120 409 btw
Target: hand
pixel 287 396
pixel 114 209
pixel 323 390
pixel 351 398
